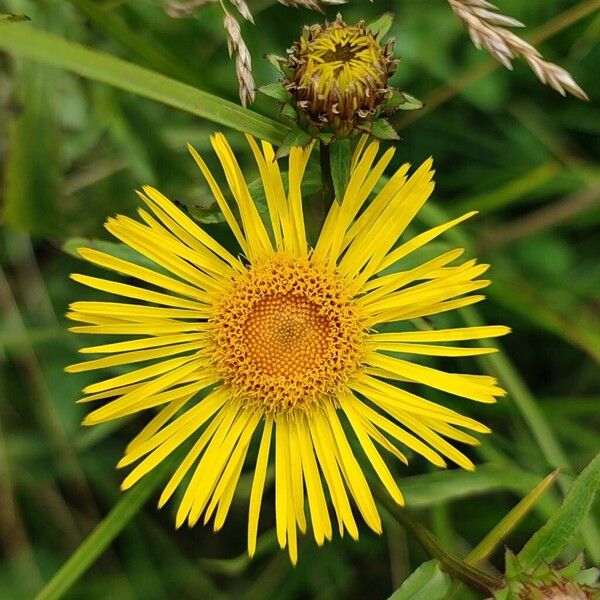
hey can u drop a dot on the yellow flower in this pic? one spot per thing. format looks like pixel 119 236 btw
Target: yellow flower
pixel 284 340
pixel 340 75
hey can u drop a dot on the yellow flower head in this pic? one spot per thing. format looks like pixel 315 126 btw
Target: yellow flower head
pixel 340 75
pixel 281 340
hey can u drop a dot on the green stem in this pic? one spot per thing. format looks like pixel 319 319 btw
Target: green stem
pixel 104 533
pixel 474 578
pixel 327 193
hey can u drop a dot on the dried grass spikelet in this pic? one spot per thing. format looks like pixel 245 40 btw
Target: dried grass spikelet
pixel 179 10
pixel 310 4
pixel 488 30
pixel 243 60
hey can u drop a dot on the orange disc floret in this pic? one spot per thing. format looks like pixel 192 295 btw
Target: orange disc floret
pixel 286 334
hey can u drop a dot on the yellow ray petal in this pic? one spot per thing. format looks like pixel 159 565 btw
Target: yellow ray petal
pixel 430 349
pixel 319 515
pixel 281 478
pixel 341 214
pixel 353 474
pixel 371 452
pixel 389 397
pixel 168 446
pixel 367 250
pixel 398 433
pixel 142 273
pixel 214 462
pixel 220 199
pixel 388 284
pixel 127 358
pixel 419 241
pixel 182 427
pixel 330 469
pixel 137 375
pixel 297 481
pixel 185 228
pixel 213 268
pixel 128 403
pixel 197 485
pixel 257 238
pixel 165 251
pixel 453 383
pixel 428 310
pixel 443 335
pixel 159 421
pixel 225 488
pixel 297 165
pixel 258 485
pixel 190 458
pixel 148 327
pixel 121 309
pixel 435 441
pixel 273 187
pixel 144 343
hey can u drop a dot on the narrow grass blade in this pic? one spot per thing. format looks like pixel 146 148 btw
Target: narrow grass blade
pixel 549 541
pixel 53 50
pixel 104 533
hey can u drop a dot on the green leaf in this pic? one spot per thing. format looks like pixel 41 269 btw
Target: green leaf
pixel 381 26
pixel 549 541
pixel 53 50
pixel 296 137
pixel 277 91
pixel 382 130
pixel 279 62
pixel 32 193
pixel 410 103
pixel 287 110
pixel 428 582
pixel 340 156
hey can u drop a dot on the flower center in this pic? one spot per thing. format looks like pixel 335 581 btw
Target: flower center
pixel 343 59
pixel 341 53
pixel 286 335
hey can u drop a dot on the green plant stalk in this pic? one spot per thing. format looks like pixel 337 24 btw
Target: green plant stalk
pixel 327 191
pixel 104 533
pixel 474 578
pixel 503 528
pixel 52 50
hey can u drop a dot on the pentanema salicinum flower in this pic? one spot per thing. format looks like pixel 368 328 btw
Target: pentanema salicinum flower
pixel 275 350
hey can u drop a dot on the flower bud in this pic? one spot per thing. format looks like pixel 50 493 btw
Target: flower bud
pixel 339 77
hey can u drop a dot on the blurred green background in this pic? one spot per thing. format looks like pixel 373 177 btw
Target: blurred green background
pixel 72 151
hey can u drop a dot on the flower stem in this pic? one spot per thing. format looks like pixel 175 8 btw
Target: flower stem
pixel 327 192
pixel 471 576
